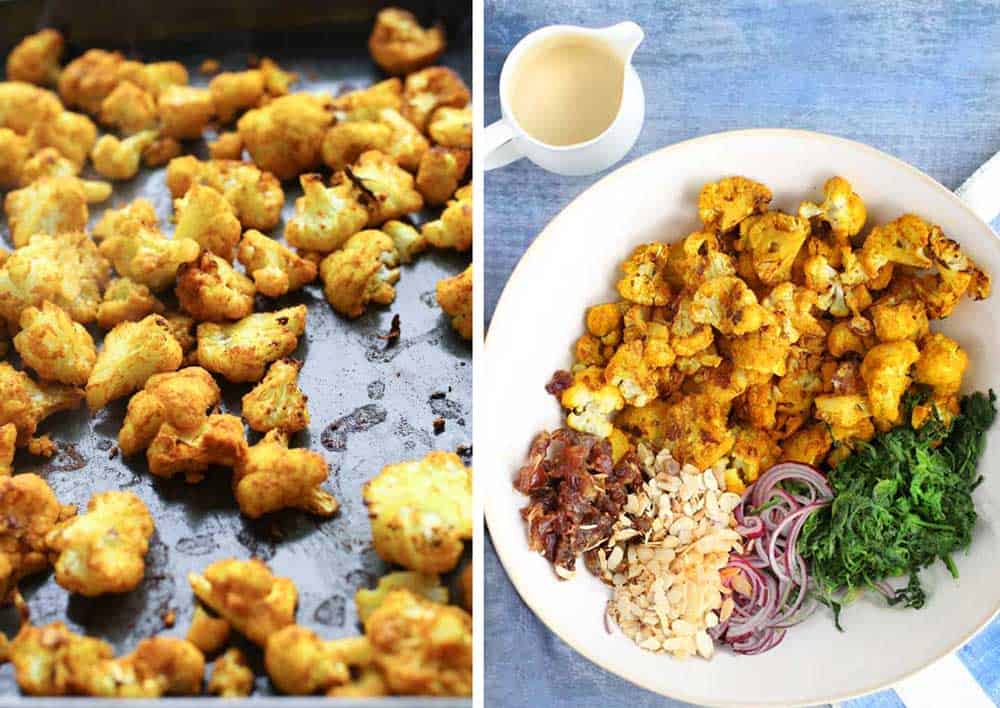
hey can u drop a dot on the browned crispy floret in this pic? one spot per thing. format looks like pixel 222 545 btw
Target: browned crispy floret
pixel 228 146
pixel 273 477
pixel 184 111
pixel 204 216
pixel 466 583
pixel 285 136
pixel 89 78
pixel 645 280
pixel 180 398
pixel 454 228
pixel 325 217
pixel 51 205
pixel 427 586
pixel 387 190
pixel 236 91
pixel 441 171
pixel 47 162
pixel 30 511
pixel 211 290
pixel 8 448
pixel 35 59
pixel 55 346
pixel 363 271
pixel 22 105
pixel 451 127
pixel 139 212
pixel 140 252
pixel 427 90
pixel 154 78
pixel 277 402
pixel 277 81
pixel 842 209
pixel 183 328
pixel 72 134
pixel 300 663
pixel 128 108
pixel 132 352
pixel 408 241
pixel 275 269
pixel 421 511
pixel 345 142
pixel 161 151
pixel 120 159
pixel 399 45
pixel 421 647
pixel 366 104
pixel 253 600
pixel 231 676
pixel 207 632
pixel 241 351
pixel 66 270
pixel 14 152
pixel 218 441
pixel 454 295
pixel 126 301
pixel 103 550
pixel 256 195
pixel 407 144
pixel 26 403
pixel 724 204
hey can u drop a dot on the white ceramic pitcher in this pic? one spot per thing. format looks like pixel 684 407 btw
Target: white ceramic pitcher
pixel 505 140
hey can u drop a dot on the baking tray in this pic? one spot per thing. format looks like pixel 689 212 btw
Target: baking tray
pixel 372 403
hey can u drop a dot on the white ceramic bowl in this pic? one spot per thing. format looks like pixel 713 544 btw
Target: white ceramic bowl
pixel 574 264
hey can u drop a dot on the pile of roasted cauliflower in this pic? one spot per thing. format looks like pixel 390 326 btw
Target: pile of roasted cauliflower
pixel 92 315
pixel 766 336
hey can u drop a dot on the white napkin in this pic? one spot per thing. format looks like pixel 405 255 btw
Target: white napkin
pixel 982 190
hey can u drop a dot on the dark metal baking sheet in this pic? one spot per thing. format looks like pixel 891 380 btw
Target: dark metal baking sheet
pixel 371 404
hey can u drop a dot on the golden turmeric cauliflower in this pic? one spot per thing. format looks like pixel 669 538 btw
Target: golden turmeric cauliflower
pixel 886 371
pixel 51 205
pixel 409 242
pixel 47 162
pixel 226 146
pixel 363 271
pixel 257 196
pixel 184 111
pixel 231 675
pixel 277 402
pixel 387 190
pixel 440 172
pixel 275 268
pixel 902 241
pixel 253 600
pixel 131 353
pixel 143 254
pixel 129 217
pixel 842 209
pixel 55 346
pixel 35 59
pixel 22 105
pixel 425 585
pixel 103 550
pixel 26 403
pixel 724 204
pixel 429 89
pixel 14 153
pixel 207 632
pixel 300 663
pixel 284 137
pixel 273 477
pixel 236 91
pixel 211 290
pixel 399 45
pixel 204 216
pixel 727 304
pixel 941 365
pixel 89 78
pixel 591 401
pixel 421 511
pixel 8 448
pixel 325 217
pixel 365 104
pixel 453 229
pixel 894 321
pixel 217 441
pixel 421 647
pixel 129 109
pixel 72 134
pixel 180 398
pixel 645 280
pixel 345 142
pixel 773 241
pixel 120 159
pixel 406 144
pixel 454 295
pixel 240 351
pixel 451 127
pixel 126 301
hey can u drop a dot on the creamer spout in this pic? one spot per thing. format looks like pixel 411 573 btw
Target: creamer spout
pixel 623 38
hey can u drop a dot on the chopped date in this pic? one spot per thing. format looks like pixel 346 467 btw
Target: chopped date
pixel 560 381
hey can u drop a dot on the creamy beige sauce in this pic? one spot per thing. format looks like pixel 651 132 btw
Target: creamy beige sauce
pixel 567 90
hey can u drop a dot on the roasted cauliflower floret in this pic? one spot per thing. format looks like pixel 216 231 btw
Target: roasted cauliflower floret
pixel 454 227
pixel 161 151
pixel 22 105
pixel 451 127
pixel 72 134
pixel 454 295
pixel 941 365
pixel 144 255
pixel 217 441
pixel 183 328
pixel 429 89
pixel 206 632
pixel 325 217
pixel 35 59
pixel 89 78
pixel 48 162
pixel 273 477
pixel 156 77
pixel 903 320
pixel 26 403
pixel 55 346
pixel 277 402
pixel 345 142
pixel 409 242
pixel 809 444
pixel 363 271
pixel 427 586
pixel 903 241
pixel 277 81
pixel 406 145
pixel 645 279
pixel 773 241
pixel 753 452
pixel 727 304
pixel 121 159
pixel 8 448
pixel 421 647
pixel 421 511
pixel 211 290
pixel 956 276
pixel 128 108
pixel 440 172
pixel 886 371
pixel 399 45
pixel 591 401
pixel 126 301
pixel 51 205
pixel 180 398
pixel 132 352
pixel 284 137
pixel 240 351
pixel 236 91
pixel 14 153
pixel 275 269
pixel 256 196
pixel 724 204
pixel 66 270
pixel 227 146
pixel 184 111
pixel 117 221
pixel 231 675
pixel 299 662
pixel 204 216
pixel 158 666
pixel 365 104
pixel 842 209
pixel 103 550
pixel 248 596
pixel 387 190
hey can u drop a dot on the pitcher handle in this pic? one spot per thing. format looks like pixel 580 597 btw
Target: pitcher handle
pixel 500 147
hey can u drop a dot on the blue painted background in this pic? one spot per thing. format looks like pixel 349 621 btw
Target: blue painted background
pixel 920 80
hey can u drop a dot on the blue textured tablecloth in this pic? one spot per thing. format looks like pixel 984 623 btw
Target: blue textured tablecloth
pixel 920 80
